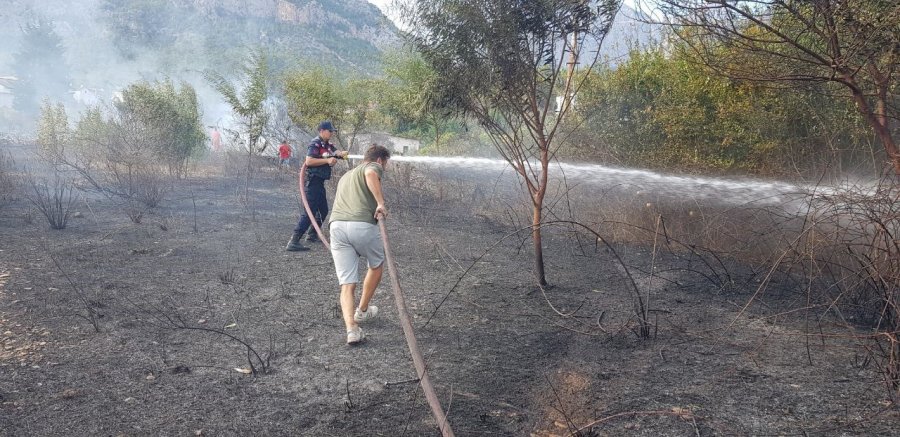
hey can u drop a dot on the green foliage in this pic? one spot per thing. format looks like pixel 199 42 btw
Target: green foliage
pixel 852 46
pixel 53 133
pixel 248 103
pixel 9 182
pixel 154 124
pixel 313 96
pixel 660 110
pixel 502 63
pixel 39 66
pixel 134 151
pixel 168 117
pixel 91 127
pixel 359 96
pixel 410 97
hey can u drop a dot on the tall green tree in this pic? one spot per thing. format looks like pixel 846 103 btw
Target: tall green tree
pixel 39 66
pixel 314 95
pixel 508 65
pixel 248 102
pixel 411 96
pixel 360 95
pixel 168 117
pixel 53 131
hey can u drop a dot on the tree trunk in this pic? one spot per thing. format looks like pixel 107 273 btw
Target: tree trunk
pixel 435 121
pixel 538 246
pixel 883 127
pixel 877 121
pixel 537 201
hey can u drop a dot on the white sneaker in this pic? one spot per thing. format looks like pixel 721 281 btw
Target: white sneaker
pixel 355 336
pixel 362 316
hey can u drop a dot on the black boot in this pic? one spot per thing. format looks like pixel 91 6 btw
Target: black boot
pixel 294 245
pixel 312 237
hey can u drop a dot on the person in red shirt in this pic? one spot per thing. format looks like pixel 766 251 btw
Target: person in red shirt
pixel 284 153
pixel 216 139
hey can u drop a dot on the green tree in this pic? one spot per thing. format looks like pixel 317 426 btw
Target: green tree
pixel 504 64
pixel 852 45
pixel 168 117
pixel 411 96
pixel 248 103
pixel 360 94
pixel 53 132
pixel 313 96
pixel 39 66
pixel 660 109
pixel 132 152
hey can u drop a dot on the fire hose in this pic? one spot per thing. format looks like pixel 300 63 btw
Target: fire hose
pixel 418 362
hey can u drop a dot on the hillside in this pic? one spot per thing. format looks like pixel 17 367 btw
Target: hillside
pixel 107 44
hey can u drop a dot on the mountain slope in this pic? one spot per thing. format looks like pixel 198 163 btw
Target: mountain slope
pixel 170 37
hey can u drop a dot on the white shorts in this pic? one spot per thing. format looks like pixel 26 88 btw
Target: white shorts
pixel 351 240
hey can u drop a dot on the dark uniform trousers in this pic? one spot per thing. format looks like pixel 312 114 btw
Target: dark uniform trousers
pixel 315 195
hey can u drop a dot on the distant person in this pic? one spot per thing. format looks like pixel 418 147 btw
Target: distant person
pixel 358 205
pixel 216 140
pixel 321 155
pixel 284 153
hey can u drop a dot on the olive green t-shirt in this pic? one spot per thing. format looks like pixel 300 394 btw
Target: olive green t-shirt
pixel 353 201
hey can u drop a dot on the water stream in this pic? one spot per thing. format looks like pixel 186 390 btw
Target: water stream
pixel 728 190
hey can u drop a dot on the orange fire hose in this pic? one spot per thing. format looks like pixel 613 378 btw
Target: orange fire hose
pixel 418 362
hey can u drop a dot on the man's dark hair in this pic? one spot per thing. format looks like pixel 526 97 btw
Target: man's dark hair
pixel 375 151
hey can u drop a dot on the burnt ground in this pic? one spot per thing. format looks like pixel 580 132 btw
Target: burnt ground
pixel 503 360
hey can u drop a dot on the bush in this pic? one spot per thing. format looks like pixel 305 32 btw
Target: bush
pixel 134 151
pixel 163 120
pixel 53 198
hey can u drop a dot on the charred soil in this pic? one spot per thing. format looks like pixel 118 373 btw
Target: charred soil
pixel 208 327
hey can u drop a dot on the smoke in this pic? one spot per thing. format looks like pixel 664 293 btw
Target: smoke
pixel 98 65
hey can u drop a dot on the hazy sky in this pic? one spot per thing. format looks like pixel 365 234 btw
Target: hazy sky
pixel 385 6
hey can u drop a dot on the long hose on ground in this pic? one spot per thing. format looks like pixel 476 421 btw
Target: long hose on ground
pixel 418 362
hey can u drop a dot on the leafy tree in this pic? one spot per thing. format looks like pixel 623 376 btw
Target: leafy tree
pixel 167 117
pixel 39 66
pixel 249 103
pixel 660 109
pixel 360 94
pixel 132 152
pixel 53 132
pixel 853 45
pixel 411 96
pixel 313 96
pixel 503 63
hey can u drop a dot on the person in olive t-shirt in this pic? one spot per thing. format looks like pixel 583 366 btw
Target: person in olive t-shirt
pixel 358 205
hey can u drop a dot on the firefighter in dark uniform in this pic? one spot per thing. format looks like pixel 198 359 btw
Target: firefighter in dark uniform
pixel 321 155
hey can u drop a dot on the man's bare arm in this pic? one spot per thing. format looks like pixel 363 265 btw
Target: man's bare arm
pixel 373 181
